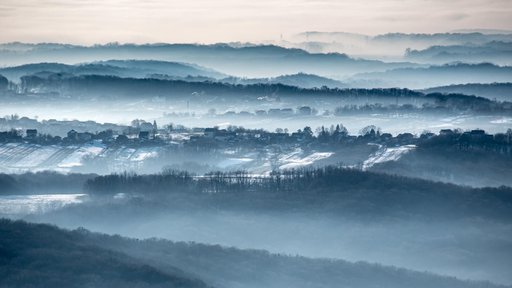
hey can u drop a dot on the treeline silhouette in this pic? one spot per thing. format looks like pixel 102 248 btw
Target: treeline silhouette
pixel 330 189
pixel 111 87
pixel 499 91
pixel 114 86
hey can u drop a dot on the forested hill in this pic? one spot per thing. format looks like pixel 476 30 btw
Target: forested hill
pixel 120 68
pixel 36 255
pixel 115 86
pixel 328 190
pixel 498 91
pixel 433 76
pixel 43 256
pixel 110 87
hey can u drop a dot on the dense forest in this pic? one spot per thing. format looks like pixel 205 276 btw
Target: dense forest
pixel 329 190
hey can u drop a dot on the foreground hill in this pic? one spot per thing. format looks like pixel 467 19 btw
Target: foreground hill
pixel 44 256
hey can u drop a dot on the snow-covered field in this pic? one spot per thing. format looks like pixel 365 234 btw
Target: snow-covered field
pixel 385 154
pixel 18 205
pixel 261 164
pixel 298 159
pixel 23 157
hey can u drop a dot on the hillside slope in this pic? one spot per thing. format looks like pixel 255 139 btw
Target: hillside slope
pixel 45 256
pixel 37 255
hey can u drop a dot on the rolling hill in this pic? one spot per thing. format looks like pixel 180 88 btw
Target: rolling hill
pixel 45 256
pixel 255 61
pixel 496 52
pixel 498 91
pixel 301 80
pixel 422 78
pixel 36 255
pixel 120 68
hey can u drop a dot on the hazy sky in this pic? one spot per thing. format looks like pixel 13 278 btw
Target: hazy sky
pixel 206 21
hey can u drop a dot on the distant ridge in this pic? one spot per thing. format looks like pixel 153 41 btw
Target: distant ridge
pixel 483 31
pixel 498 91
pixel 442 75
pixel 254 61
pixel 120 68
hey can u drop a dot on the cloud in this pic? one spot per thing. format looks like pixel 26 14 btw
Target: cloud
pixel 457 16
pixel 90 21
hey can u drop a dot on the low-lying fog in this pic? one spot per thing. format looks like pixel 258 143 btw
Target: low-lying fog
pixel 394 123
pixel 468 249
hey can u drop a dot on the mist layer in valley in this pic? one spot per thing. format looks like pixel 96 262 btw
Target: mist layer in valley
pixel 331 213
pixel 320 160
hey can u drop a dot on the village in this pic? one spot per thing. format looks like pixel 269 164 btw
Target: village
pixel 148 147
pixel 146 133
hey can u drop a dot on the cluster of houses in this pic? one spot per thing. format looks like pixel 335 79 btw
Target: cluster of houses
pixel 474 136
pixel 145 133
pixel 335 136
